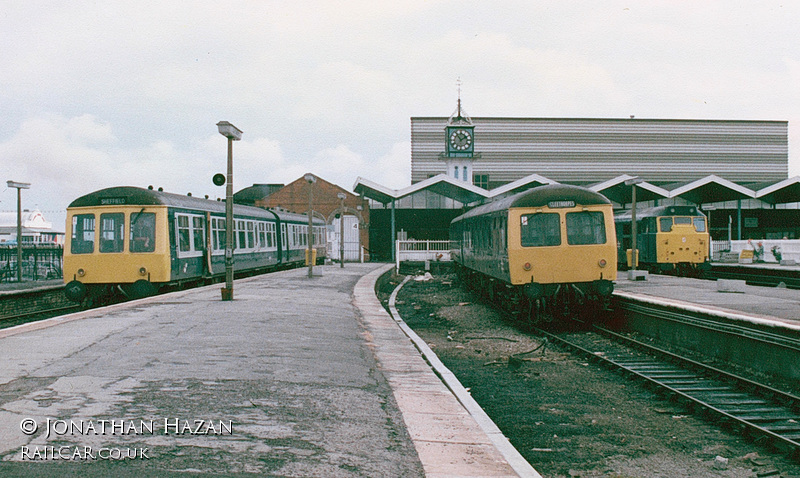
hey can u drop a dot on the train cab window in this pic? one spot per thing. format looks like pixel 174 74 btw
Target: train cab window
pixel 143 235
pixel 537 230
pixel 665 224
pixel 683 221
pixel 112 236
pixel 699 223
pixel 586 227
pixel 82 234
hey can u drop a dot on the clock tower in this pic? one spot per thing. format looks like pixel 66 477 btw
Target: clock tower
pixel 459 144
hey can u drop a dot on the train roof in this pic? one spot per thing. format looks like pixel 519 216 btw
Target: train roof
pixel 135 196
pixel 541 196
pixel 659 211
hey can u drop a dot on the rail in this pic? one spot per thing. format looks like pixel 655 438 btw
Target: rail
pixel 412 250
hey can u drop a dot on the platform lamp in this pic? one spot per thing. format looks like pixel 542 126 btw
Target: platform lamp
pixel 634 250
pixel 233 134
pixel 310 179
pixel 19 187
pixel 342 197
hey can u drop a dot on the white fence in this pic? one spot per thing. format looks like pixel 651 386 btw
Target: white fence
pixel 789 248
pixel 411 250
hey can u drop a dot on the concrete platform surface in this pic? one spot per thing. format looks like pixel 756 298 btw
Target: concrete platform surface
pixel 281 381
pixel 763 302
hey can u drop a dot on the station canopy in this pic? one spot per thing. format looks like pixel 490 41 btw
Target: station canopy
pixel 782 192
pixel 710 189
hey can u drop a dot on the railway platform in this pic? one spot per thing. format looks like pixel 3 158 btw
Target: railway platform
pixel 731 297
pixel 295 377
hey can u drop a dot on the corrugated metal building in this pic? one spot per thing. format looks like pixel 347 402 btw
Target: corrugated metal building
pixel 584 151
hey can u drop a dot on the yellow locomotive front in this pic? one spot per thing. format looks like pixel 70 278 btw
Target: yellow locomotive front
pixel 682 240
pixel 110 245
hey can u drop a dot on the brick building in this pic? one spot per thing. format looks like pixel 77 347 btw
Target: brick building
pixel 327 205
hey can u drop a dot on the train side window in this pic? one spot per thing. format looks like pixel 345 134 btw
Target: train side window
pixel 543 229
pixel 143 232
pixel 271 239
pixel 198 233
pixel 665 224
pixel 218 233
pixel 184 244
pixel 699 224
pixel 241 234
pixel 112 236
pixel 587 227
pixel 82 234
pixel 251 235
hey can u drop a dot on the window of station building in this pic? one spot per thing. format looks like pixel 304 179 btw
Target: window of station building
pixel 82 234
pixel 112 235
pixel 586 227
pixel 481 180
pixel 542 229
pixel 143 232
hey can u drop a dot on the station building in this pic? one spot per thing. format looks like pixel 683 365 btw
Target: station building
pixel 737 170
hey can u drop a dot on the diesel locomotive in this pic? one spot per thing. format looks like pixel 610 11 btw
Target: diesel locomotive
pixel 135 241
pixel 551 248
pixel 670 239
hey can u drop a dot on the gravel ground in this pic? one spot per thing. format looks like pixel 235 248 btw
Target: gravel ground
pixel 567 417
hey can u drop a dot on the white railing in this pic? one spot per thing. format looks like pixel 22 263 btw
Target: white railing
pixel 789 248
pixel 411 250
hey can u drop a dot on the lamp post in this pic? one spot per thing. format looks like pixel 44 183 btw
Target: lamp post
pixel 233 134
pixel 19 187
pixel 310 179
pixel 634 251
pixel 341 196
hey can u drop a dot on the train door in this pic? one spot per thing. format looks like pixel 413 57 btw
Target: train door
pixel 284 243
pixel 352 240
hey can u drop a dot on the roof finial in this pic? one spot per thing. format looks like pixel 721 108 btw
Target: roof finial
pixel 458 83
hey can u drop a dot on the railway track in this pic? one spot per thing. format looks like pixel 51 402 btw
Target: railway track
pixel 756 276
pixel 767 415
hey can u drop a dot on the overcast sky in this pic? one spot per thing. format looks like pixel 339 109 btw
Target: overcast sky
pixel 96 94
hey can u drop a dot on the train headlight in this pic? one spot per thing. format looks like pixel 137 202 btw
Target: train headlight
pixel 527 266
pixel 81 272
pixel 142 271
pixel 602 263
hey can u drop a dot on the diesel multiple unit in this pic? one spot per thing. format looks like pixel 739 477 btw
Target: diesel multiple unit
pixel 552 246
pixel 134 241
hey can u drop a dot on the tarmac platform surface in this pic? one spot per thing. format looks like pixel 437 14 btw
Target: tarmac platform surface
pixel 733 296
pixel 294 377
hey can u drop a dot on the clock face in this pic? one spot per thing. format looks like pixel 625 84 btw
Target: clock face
pixel 460 140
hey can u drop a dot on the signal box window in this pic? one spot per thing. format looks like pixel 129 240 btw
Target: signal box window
pixel 537 230
pixel 143 232
pixel 82 234
pixel 585 228
pixel 112 236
